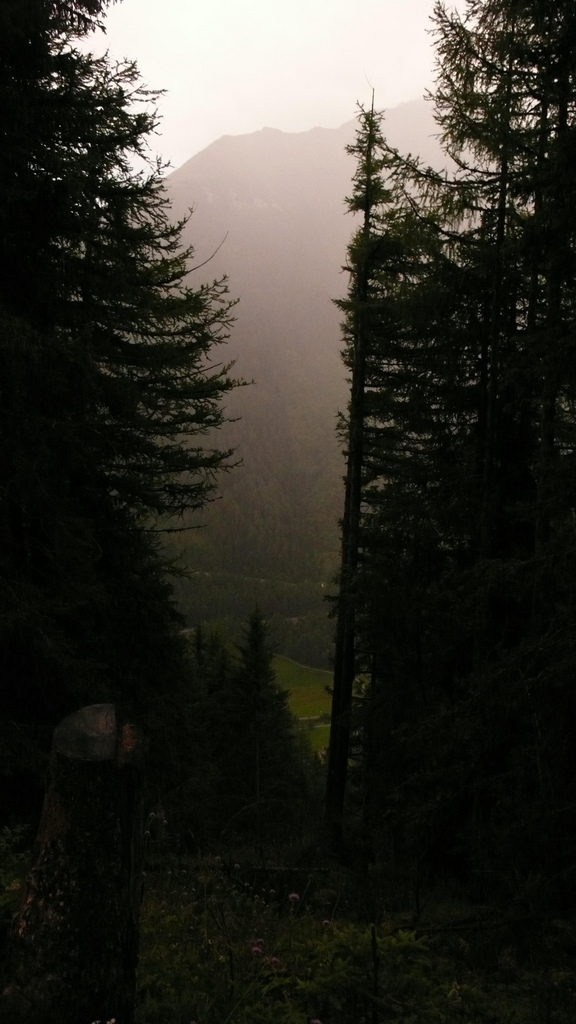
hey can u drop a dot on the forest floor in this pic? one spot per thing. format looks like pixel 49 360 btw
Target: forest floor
pixel 231 943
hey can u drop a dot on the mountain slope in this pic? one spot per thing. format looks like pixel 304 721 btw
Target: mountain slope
pixel 269 211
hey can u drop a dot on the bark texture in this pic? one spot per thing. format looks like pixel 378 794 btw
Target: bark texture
pixel 74 942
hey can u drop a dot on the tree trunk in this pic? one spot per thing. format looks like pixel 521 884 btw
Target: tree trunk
pixel 74 941
pixel 345 640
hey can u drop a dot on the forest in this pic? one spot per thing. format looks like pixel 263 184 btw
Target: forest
pixel 422 868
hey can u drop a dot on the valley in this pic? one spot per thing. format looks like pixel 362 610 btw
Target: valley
pixel 269 212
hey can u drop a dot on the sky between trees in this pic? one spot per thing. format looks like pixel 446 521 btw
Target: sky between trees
pixel 237 66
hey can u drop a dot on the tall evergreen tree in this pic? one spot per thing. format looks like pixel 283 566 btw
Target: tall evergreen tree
pixel 246 732
pixel 108 382
pixel 376 265
pixel 367 194
pixel 464 597
pixel 265 726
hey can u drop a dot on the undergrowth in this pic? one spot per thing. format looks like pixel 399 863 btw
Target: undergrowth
pixel 14 859
pixel 225 945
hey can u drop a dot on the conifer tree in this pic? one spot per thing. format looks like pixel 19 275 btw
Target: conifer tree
pixel 108 382
pixel 264 722
pixel 371 266
pixel 465 597
pixel 246 733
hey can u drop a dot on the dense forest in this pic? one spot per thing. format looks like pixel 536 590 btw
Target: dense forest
pixel 456 614
pixel 108 384
pixel 424 870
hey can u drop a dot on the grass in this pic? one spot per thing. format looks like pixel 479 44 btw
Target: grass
pixel 219 948
pixel 318 736
pixel 309 700
pixel 307 686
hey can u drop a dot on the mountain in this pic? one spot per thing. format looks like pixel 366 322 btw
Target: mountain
pixel 269 212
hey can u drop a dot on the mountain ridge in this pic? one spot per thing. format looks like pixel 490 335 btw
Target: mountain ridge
pixel 270 213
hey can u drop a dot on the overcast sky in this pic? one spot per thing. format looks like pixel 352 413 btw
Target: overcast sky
pixel 234 66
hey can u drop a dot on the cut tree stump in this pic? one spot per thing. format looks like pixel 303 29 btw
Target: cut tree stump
pixel 73 946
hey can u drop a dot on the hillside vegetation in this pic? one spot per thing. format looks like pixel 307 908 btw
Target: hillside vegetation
pixel 308 687
pixel 422 871
pixel 309 699
pixel 279 193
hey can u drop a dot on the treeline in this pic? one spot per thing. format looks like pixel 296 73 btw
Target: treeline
pixel 276 516
pixel 247 782
pixel 297 613
pixel 458 596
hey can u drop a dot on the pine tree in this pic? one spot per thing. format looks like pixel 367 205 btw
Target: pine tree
pixel 465 593
pixel 373 259
pixel 108 382
pixel 244 727
pixel 265 741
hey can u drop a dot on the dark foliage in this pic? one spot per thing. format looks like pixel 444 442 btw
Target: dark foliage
pixel 107 385
pixel 463 753
pixel 249 782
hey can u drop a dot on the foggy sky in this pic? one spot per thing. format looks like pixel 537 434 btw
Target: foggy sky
pixel 231 67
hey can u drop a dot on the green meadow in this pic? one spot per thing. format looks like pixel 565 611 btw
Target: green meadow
pixel 308 695
pixel 309 700
pixel 318 736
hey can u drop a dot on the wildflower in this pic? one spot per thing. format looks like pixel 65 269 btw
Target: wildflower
pixel 315 1021
pixel 293 897
pixel 256 949
pixel 274 961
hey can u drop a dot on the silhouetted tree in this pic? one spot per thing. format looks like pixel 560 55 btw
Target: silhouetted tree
pixel 108 383
pixel 466 534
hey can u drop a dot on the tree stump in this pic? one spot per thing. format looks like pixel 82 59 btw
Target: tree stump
pixel 74 942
